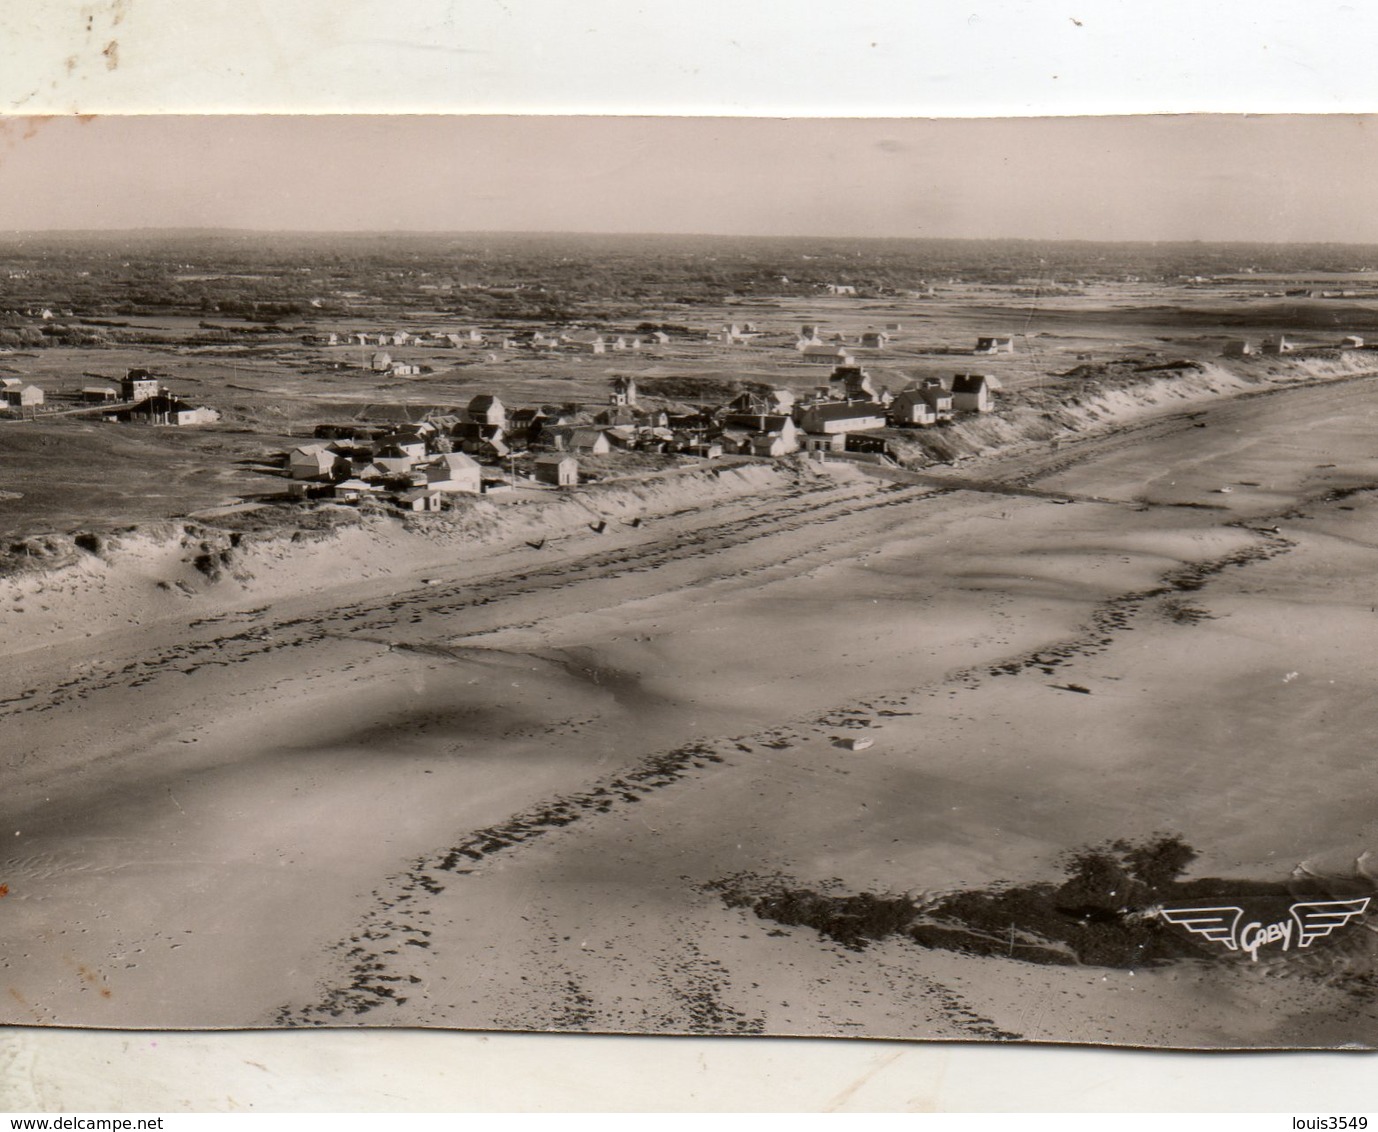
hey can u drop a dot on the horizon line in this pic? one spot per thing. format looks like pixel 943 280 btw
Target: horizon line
pixel 582 233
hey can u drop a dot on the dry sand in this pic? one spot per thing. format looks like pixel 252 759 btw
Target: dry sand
pixel 495 800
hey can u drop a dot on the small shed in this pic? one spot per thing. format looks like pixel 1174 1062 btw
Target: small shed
pixel 421 499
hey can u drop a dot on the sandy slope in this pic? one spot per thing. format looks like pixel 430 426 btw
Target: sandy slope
pixel 496 800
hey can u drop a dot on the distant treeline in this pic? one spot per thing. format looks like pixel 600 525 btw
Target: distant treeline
pixel 556 278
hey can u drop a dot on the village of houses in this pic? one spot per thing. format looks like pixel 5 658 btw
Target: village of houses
pixel 490 447
pixel 478 449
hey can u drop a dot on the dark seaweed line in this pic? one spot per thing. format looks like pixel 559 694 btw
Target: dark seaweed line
pixel 1115 614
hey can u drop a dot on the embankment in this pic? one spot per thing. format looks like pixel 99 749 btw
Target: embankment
pixel 1092 398
pixel 65 587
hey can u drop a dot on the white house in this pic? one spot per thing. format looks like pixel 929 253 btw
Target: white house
pixel 454 472
pixel 827 356
pixel 910 409
pixel 842 416
pixel 312 462
pixel 995 344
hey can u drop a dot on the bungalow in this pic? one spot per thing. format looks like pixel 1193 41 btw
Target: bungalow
pixel 704 449
pixel 1237 348
pixel 892 327
pixel 403 369
pixel 585 341
pixel 995 344
pixel 874 340
pixel 842 416
pixel 626 342
pixel 660 338
pixel 557 470
pixel 827 356
pixel 910 409
pixel 381 362
pixel 352 490
pixel 399 338
pixel 312 462
pixel 973 393
pixel 454 472
pixel 816 443
pixel 1277 344
pixel 487 409
pixel 98 394
pixel 421 499
pixel 1351 342
pixel 180 413
pixel 653 418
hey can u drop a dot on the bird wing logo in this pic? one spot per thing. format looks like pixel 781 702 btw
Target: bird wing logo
pixel 1309 921
pixel 1217 924
pixel 1315 921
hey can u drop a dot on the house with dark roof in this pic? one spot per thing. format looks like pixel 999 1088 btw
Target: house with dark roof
pixel 939 396
pixel 973 393
pixel 487 409
pixel 558 470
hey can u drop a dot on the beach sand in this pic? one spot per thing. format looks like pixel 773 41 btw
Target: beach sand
pixel 500 798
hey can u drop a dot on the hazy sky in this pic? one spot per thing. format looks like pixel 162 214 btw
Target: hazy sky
pixel 1145 178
